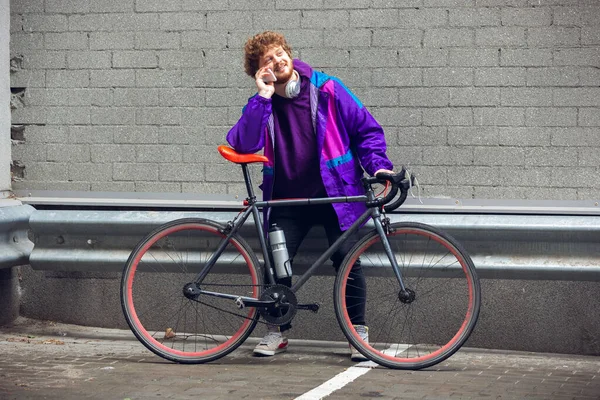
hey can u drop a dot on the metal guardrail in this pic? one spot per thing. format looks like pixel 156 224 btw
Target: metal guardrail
pixel 15 245
pixel 552 241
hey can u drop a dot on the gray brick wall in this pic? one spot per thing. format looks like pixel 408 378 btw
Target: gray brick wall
pixel 482 98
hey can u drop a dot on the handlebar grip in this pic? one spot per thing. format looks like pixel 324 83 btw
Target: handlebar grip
pixel 399 182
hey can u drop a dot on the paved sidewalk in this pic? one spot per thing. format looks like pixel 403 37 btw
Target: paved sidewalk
pixel 43 360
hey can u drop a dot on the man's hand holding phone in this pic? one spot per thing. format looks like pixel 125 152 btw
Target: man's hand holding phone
pixel 264 82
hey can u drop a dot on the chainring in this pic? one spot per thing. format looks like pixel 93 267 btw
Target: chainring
pixel 285 307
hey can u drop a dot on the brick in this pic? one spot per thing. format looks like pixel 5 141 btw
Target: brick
pixel 500 36
pixel 26 152
pixel 90 134
pixel 135 97
pixel 29 115
pixel 157 187
pixel 449 37
pixel 447 77
pixel 404 155
pixel 422 136
pixel 28 79
pixel 68 115
pixel 70 97
pixel 157 5
pixel 318 58
pixel 185 135
pixel 218 172
pixel 565 76
pixel 473 57
pixel 378 97
pixel 135 59
pixel 211 188
pixel 182 97
pixel 550 116
pixel 89 60
pixel 67 6
pixel 526 57
pixel 519 136
pixel 67 78
pixel 36 171
pixel 423 97
pixel 590 35
pixel 526 16
pixel 25 7
pixel 589 117
pixel 352 4
pixel 422 18
pixel 499 116
pixel 16 23
pixel 44 23
pixel 187 21
pixel 395 77
pixel 188 172
pixel 503 76
pixel 230 60
pixel 90 172
pixel 349 38
pixel 447 155
pixel 180 59
pixel 551 157
pixel 113 116
pixel 432 175
pixel 157 40
pixel 570 16
pixel 422 57
pixel 106 153
pixel 202 153
pixel 303 38
pixel 69 152
pixel 553 37
pixel 204 78
pixel 66 41
pixel 295 5
pixel 275 20
pixel 159 153
pixel 158 116
pixel 378 18
pixel 586 97
pixel 225 97
pixel 397 37
pixel 112 6
pixel 135 134
pixel 474 96
pixel 472 136
pixel 135 172
pixel 41 60
pixel 204 5
pixel 589 76
pixel 211 116
pixel 112 186
pixel 450 116
pixel 112 40
pixel 46 134
pixel 110 22
pixel 203 40
pixel 569 137
pixel 477 175
pixel 587 57
pixel 158 78
pixel 26 41
pixel 395 4
pixel 475 17
pixel 526 97
pixel 325 19
pixel 499 155
pixel 365 57
pixel 230 20
pixel 588 157
pixel 397 116
pixel 112 78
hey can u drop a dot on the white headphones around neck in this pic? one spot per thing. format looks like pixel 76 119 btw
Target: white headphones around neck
pixel 292 88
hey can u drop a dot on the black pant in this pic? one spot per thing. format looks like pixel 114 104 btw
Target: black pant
pixel 296 222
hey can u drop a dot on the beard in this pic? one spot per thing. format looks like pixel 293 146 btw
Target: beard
pixel 285 75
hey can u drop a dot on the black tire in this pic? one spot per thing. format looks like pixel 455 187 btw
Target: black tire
pixel 428 330
pixel 162 318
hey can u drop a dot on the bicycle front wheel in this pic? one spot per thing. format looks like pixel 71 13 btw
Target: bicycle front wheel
pixel 428 322
pixel 172 325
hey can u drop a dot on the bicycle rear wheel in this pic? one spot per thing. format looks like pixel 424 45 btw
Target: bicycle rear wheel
pixel 162 318
pixel 441 311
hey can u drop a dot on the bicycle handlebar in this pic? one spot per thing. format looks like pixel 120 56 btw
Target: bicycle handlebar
pixel 401 181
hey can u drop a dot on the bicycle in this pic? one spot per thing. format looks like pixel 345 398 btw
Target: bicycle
pixel 192 290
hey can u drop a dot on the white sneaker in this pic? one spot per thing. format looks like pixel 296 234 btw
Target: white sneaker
pixel 272 343
pixel 363 332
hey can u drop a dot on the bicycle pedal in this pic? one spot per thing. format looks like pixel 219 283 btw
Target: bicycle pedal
pixel 314 307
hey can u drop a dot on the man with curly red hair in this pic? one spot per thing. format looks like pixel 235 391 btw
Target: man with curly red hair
pixel 319 140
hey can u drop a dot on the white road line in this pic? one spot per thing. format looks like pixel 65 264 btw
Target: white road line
pixel 337 382
pixel 348 376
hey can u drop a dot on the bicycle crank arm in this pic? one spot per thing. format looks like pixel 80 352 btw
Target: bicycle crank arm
pixel 314 307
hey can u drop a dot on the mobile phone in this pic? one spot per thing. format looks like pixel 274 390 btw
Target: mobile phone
pixel 269 78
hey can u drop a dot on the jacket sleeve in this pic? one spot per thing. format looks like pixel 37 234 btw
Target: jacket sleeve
pixel 366 135
pixel 248 134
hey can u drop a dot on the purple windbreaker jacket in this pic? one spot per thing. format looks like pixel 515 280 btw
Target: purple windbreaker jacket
pixel 348 139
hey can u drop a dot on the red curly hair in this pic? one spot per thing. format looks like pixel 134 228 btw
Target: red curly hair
pixel 258 44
